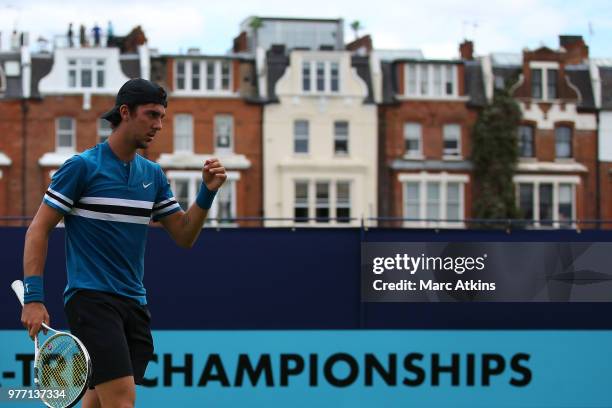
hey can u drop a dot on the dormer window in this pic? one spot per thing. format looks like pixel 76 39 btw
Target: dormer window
pixel 551 83
pixel 86 73
pixel 180 75
pixel 430 80
pixel 195 76
pixel 544 80
pixel 321 76
pixel 225 75
pixel 203 76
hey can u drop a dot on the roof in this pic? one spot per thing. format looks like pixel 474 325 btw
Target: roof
pixel 130 67
pixel 474 83
pixel 506 59
pixel 307 20
pixel 602 62
pixel 579 77
pixel 473 76
pixel 277 64
pixel 41 66
pixel 390 55
pixel 362 65
pixel 509 73
pixel 388 82
pixel 195 56
pixel 605 74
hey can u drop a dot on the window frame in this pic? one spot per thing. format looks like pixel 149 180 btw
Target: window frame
pixel 520 140
pixel 339 138
pixel 414 154
pixel 300 137
pixel 422 181
pixel 73 130
pixel 205 76
pixel 327 80
pixel 570 129
pixel 216 119
pixel 96 67
pixel 194 179
pixel 544 67
pixel 332 204
pixel 177 134
pixel 446 154
pixel 556 182
pixel 414 81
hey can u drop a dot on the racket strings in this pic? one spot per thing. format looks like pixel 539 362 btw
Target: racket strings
pixel 62 369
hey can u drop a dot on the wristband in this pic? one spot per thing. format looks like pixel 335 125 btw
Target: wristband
pixel 205 197
pixel 33 289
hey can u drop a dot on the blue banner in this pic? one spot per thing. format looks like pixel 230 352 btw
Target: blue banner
pixel 362 368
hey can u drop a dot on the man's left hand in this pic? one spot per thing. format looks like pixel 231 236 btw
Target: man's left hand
pixel 213 174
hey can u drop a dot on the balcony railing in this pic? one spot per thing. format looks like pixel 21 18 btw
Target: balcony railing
pixel 63 41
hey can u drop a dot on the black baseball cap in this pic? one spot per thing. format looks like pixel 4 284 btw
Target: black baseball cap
pixel 137 91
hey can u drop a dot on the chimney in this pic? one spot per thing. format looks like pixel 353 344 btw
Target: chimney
pixel 135 38
pixel 277 49
pixel 576 49
pixel 362 45
pixel 466 50
pixel 241 43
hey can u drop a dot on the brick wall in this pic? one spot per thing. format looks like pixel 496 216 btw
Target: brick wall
pixel 11 190
pixel 247 141
pixel 432 115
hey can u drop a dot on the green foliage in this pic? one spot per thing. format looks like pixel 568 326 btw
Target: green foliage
pixel 256 23
pixel 356 26
pixel 495 155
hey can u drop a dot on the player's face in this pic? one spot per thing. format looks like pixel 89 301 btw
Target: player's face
pixel 146 122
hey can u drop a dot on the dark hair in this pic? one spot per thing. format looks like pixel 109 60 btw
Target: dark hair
pixel 115 119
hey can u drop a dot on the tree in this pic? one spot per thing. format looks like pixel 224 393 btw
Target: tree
pixel 495 155
pixel 356 26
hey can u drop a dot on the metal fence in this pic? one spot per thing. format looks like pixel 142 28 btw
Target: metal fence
pixel 383 222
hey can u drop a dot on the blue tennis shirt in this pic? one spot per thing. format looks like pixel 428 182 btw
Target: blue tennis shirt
pixel 107 205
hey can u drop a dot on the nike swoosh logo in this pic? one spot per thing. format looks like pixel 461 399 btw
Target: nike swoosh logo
pixel 146 185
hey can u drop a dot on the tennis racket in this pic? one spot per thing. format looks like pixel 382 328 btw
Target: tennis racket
pixel 62 366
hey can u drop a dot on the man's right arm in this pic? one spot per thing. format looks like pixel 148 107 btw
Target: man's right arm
pixel 34 257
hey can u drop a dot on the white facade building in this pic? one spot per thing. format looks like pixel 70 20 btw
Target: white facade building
pixel 320 144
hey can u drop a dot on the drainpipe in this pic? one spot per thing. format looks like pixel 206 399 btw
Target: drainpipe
pixel 25 95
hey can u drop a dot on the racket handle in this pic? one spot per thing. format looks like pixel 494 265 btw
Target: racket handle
pixel 17 287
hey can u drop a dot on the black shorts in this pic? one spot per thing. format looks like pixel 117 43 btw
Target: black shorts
pixel 116 330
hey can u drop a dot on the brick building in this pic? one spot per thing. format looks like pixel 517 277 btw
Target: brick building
pixel 386 132
pixel 14 89
pixel 213 110
pixel 602 75
pixel 556 178
pixel 53 110
pixel 426 117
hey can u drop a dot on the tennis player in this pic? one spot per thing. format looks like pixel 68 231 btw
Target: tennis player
pixel 107 196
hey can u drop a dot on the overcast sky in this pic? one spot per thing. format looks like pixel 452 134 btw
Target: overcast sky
pixel 435 26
